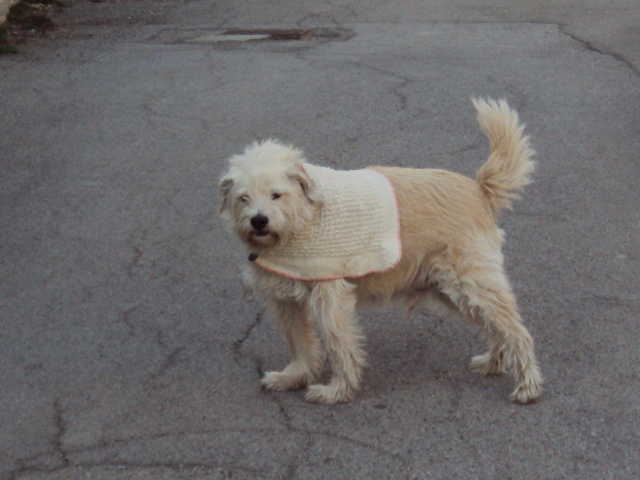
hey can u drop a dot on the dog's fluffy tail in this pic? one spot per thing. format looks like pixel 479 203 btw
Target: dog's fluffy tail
pixel 509 166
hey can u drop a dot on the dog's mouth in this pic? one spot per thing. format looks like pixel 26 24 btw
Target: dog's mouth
pixel 263 238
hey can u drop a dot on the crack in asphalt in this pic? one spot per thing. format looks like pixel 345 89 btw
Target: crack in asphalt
pixel 178 467
pixel 135 259
pixel 168 363
pixel 294 464
pixel 291 468
pixel 237 345
pixel 125 317
pixel 57 443
pixel 405 80
pixel 590 46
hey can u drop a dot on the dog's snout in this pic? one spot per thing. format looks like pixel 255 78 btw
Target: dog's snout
pixel 259 222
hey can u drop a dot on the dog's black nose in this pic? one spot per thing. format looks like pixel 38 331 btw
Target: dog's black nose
pixel 259 222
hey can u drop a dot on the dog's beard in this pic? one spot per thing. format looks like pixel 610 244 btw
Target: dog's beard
pixel 281 229
pixel 260 240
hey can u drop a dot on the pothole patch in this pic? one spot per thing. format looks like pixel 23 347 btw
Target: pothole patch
pixel 255 35
pixel 252 36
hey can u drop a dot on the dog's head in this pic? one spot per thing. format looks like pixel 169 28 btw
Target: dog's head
pixel 267 195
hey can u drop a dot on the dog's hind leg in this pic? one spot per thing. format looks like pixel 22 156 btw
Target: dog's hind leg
pixel 483 294
pixel 333 307
pixel 293 320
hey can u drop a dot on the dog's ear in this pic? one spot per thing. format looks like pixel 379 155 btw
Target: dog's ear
pixel 298 174
pixel 226 184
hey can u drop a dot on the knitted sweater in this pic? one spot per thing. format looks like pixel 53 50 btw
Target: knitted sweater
pixel 356 231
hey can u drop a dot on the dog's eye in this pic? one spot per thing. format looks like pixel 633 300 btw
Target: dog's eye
pixel 276 196
pixel 244 198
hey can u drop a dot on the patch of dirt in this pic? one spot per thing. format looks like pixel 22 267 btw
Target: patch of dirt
pixel 26 19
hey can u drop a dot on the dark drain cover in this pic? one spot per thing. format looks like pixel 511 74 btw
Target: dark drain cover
pixel 273 34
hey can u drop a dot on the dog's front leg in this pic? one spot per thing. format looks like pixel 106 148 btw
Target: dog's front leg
pixel 293 320
pixel 332 305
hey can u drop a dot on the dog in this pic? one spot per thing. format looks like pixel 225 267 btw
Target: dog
pixel 450 255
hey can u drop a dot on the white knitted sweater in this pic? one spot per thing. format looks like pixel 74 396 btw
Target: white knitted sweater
pixel 355 232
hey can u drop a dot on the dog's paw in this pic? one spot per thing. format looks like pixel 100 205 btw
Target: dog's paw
pixel 487 364
pixel 528 388
pixel 526 392
pixel 282 382
pixel 335 392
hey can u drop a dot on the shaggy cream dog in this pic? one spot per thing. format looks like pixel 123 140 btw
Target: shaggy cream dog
pixel 451 255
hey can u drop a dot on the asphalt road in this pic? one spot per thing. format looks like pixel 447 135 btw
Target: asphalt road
pixel 126 349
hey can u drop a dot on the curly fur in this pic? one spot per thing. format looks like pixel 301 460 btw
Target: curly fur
pixel 451 256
